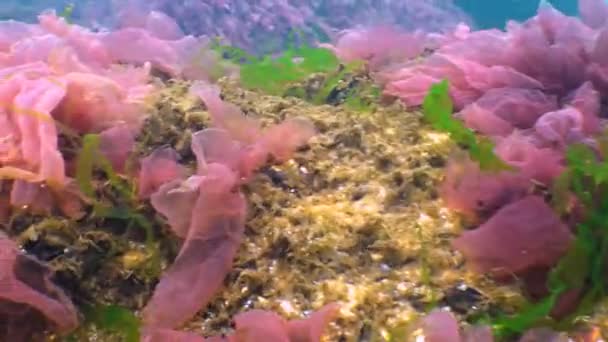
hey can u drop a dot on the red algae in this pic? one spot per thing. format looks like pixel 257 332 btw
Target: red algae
pixel 116 144
pixel 59 78
pixel 26 288
pixel 501 110
pixel 587 101
pixel 207 209
pixel 157 169
pixel 60 81
pixel 215 232
pixel 249 25
pixel 378 45
pixel 538 163
pixel 256 144
pixel 522 235
pixel 477 194
pixel 259 325
pixel 440 326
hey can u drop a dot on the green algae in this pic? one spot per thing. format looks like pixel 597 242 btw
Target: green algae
pixel 349 86
pixel 438 109
pixel 86 163
pixel 114 322
pixel 89 159
pixel 529 316
pixel 125 207
pixel 283 75
pixel 332 80
pixel 116 319
pixel 583 267
pixel 68 12
pixel 273 74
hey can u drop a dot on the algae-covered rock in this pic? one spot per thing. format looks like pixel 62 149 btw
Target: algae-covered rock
pixel 354 218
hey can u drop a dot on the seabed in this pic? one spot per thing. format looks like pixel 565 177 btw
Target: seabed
pixel 355 217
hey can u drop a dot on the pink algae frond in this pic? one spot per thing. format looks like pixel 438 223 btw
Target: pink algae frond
pixel 227 116
pixel 259 325
pixel 379 45
pixel 55 78
pixel 214 234
pixel 257 144
pixel 208 209
pixel 533 161
pixel 159 168
pixel 534 90
pixel 25 288
pixel 523 235
pixel 116 144
pixel 440 326
pixel 477 194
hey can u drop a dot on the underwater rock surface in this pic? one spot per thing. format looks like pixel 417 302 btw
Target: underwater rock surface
pixel 353 215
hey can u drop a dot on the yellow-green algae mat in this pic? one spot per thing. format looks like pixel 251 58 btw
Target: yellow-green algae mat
pixel 355 218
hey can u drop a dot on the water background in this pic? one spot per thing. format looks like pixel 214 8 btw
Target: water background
pixel 484 13
pixel 495 13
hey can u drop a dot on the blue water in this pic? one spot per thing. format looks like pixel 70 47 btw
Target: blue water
pixel 495 13
pixel 484 13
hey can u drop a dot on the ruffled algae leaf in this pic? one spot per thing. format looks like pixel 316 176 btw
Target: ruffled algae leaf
pixel 438 108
